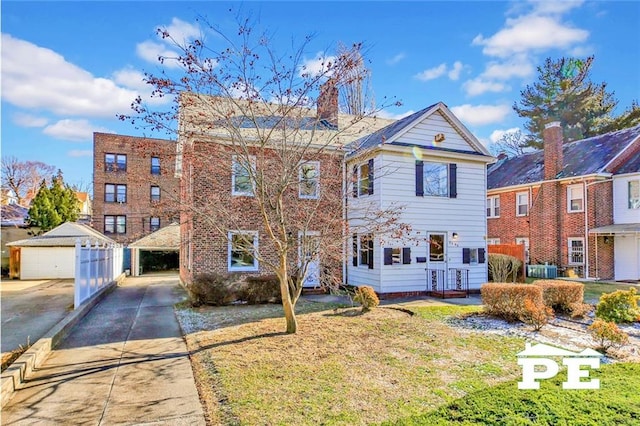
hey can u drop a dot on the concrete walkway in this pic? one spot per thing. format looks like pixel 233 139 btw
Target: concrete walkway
pixel 124 363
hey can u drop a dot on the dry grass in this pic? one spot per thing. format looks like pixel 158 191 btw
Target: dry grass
pixel 341 367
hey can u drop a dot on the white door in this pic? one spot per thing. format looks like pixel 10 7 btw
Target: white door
pixel 309 254
pixel 437 261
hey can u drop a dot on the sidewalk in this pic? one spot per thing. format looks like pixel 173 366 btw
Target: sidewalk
pixel 124 363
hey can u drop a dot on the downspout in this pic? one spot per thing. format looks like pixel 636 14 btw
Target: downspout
pixel 344 219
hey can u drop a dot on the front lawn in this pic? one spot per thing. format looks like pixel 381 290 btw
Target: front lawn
pixel 593 290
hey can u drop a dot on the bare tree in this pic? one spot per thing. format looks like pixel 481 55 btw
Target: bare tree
pixel 24 177
pixel 511 143
pixel 356 96
pixel 254 154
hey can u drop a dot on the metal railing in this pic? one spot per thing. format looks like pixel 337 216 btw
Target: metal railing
pixel 441 282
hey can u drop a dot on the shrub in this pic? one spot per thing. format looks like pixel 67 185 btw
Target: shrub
pixel 261 289
pixel 607 334
pixel 560 295
pixel 212 289
pixel 365 296
pixel 580 310
pixel 502 266
pixel 619 306
pixel 508 300
pixel 536 315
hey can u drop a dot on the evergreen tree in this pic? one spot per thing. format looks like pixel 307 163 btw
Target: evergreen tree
pixel 53 205
pixel 564 92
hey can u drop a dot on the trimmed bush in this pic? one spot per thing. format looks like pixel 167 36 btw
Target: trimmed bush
pixel 503 266
pixel 261 289
pixel 580 310
pixel 507 301
pixel 619 306
pixel 561 295
pixel 212 289
pixel 536 315
pixel 367 297
pixel 607 334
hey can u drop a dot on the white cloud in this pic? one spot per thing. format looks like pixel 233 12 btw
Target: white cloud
pixel 80 153
pixel 454 73
pixel 520 68
pixel 318 65
pixel 386 114
pixel 396 59
pixel 480 115
pixel 531 32
pixel 181 31
pixel 28 120
pixel 36 77
pixel 478 86
pixel 496 135
pixel 432 73
pixel 73 130
pixel 151 51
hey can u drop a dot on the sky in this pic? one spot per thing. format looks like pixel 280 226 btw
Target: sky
pixel 68 68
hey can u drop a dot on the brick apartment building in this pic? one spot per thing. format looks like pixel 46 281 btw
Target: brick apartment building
pixel 550 200
pixel 134 187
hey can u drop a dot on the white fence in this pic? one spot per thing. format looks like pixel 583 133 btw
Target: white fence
pixel 96 267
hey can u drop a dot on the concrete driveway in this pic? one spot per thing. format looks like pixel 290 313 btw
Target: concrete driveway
pixel 31 308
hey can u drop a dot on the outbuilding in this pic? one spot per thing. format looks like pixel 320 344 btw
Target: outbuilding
pixel 157 251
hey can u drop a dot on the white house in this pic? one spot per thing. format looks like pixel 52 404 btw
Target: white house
pixel 52 254
pixel 434 169
pixel 625 230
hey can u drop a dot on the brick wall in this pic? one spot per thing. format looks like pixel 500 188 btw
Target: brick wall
pixel 138 179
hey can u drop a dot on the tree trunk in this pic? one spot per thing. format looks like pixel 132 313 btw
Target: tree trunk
pixel 288 307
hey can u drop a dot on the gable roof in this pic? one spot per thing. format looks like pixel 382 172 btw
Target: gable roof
pixel 65 235
pixel 580 158
pixel 631 165
pixel 390 133
pixel 167 238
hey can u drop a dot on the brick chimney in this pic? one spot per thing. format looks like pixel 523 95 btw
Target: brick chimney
pixel 552 138
pixel 328 103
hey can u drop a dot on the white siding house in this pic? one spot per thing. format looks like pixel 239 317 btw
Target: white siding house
pixel 432 168
pixel 626 214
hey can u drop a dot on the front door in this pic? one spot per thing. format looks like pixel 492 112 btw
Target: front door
pixel 309 255
pixel 437 261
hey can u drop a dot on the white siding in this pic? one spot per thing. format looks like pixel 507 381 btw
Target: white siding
pixel 423 134
pixel 47 263
pixel 627 257
pixel 621 211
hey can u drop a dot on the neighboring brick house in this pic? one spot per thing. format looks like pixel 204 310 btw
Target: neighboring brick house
pixel 550 200
pixel 135 191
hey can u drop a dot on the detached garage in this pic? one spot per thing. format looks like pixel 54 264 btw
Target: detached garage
pixel 158 251
pixel 51 255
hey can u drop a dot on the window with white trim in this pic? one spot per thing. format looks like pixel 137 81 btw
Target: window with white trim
pixel 242 248
pixel 436 179
pixel 241 175
pixel 309 178
pixel 493 206
pixel 525 242
pixel 522 203
pixel 363 179
pixel 575 198
pixel 576 251
pixel 155 193
pixel 493 241
pixel 365 252
pixel 115 224
pixel 634 194
pixel 154 223
pixel 114 193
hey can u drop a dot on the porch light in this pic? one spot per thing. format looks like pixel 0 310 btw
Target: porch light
pixel 454 236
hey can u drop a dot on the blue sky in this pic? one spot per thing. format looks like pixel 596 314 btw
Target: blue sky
pixel 69 67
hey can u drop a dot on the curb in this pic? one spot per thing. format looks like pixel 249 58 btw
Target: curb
pixel 20 370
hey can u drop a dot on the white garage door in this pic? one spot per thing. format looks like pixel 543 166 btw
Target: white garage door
pixel 47 263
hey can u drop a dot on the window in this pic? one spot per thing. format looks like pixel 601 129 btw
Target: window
pixel 575 198
pixel 634 194
pixel 473 256
pixel 155 193
pixel 115 193
pixel 525 242
pixel 242 248
pixel 436 179
pixel 115 162
pixel 492 241
pixel 522 203
pixel 363 179
pixel 366 248
pixel 155 165
pixel 241 181
pixel 309 176
pixel 576 251
pixel 115 224
pixel 397 256
pixel 436 247
pixel 154 224
pixel 493 206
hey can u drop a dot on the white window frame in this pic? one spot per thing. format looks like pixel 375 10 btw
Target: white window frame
pixel 302 179
pixel 633 203
pixel 493 241
pixel 363 180
pixel 362 249
pixel 255 266
pixel 443 189
pixel 493 206
pixel 518 204
pixel 525 242
pixel 570 251
pixel 571 198
pixel 235 163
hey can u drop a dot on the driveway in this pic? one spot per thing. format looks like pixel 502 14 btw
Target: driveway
pixel 31 308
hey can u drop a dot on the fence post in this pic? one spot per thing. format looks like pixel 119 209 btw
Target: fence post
pixel 77 282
